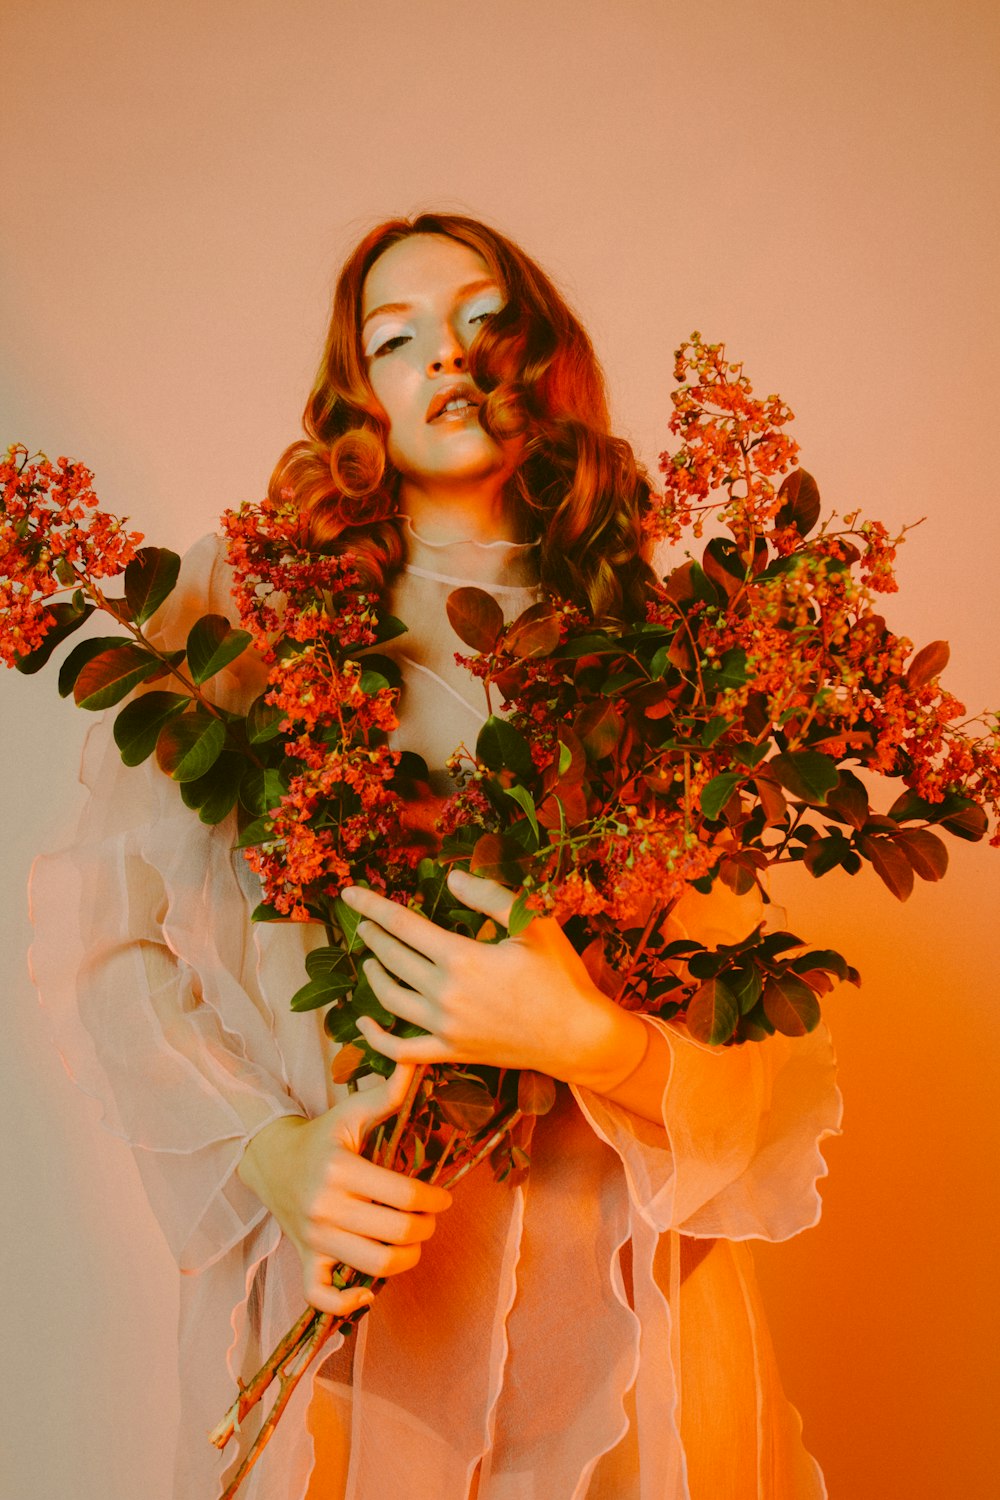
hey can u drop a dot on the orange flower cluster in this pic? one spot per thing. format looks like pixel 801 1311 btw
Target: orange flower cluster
pixel 337 819
pixel 52 539
pixel 730 442
pixel 283 587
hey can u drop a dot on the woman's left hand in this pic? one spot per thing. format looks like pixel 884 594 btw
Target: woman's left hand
pixel 525 1002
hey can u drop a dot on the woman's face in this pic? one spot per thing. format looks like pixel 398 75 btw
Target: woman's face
pixel 423 302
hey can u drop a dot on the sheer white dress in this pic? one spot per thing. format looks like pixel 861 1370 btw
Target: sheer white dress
pixel 595 1332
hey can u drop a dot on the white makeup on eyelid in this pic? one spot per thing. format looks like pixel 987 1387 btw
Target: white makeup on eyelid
pixel 486 302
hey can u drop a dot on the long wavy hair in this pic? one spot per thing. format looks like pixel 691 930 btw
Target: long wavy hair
pixel 577 486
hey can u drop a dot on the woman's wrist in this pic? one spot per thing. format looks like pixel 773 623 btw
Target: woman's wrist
pixel 617 1046
pixel 256 1168
pixel 635 1067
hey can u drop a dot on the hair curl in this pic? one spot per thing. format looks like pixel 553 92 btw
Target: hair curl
pixel 577 487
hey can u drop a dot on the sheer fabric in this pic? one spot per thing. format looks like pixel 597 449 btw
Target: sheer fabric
pixel 594 1334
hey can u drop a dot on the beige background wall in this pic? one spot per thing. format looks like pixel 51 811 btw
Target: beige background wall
pixel 814 182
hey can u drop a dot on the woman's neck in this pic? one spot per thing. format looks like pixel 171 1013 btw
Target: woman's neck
pixel 484 558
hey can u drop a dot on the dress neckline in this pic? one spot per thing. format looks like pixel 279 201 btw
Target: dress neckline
pixel 467 562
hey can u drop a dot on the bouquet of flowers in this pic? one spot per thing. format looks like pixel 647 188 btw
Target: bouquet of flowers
pixel 737 725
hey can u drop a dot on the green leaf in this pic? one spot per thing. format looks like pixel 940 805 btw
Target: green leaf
pixel 261 789
pixel 594 643
pixel 67 618
pixel 773 943
pixel 830 961
pixel 704 588
pixel 188 746
pixel 521 915
pixel 107 678
pixel 260 831
pixel 475 616
pixel 215 794
pixel 565 758
pixel 388 628
pixel 714 730
pixel 321 992
pixel 365 1002
pixel 747 985
pixel 263 721
pixel 347 920
pixel 712 1012
pixel 83 652
pixel 526 802
pixel 149 578
pixel 750 755
pixel 138 726
pixel 790 1005
pixel 212 645
pixel 372 682
pixel 341 1024
pixel 717 793
pixel 807 774
pixel 731 670
pixel 322 962
pixel 500 745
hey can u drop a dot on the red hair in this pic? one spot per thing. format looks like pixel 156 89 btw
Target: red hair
pixel 576 486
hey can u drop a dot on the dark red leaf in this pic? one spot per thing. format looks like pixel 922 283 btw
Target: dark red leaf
pixel 850 799
pixel 599 726
pixel 475 616
pixel 891 864
pixel 801 507
pixel 536 1093
pixel 790 1005
pixel 772 800
pixel 925 851
pixel 928 663
pixel 535 633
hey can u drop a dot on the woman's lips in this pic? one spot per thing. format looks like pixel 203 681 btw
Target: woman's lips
pixel 460 415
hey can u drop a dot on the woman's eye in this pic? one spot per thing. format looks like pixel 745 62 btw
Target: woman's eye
pixel 400 338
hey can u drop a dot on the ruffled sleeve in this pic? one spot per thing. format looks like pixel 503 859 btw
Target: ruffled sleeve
pixel 154 979
pixel 738 1154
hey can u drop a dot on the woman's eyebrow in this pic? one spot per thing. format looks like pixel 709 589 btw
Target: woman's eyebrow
pixel 463 291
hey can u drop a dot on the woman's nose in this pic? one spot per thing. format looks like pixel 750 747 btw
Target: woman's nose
pixel 447 350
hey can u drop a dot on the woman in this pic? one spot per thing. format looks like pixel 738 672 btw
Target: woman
pixel 594 1331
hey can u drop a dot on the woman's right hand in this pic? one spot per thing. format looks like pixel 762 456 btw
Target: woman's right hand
pixel 333 1204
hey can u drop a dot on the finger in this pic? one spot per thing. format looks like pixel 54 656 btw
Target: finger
pixel 488 896
pixel 417 931
pixel 395 956
pixel 405 1050
pixel 404 1003
pixel 371 1257
pixel 393 1226
pixel 320 1294
pixel 375 1184
pixel 370 1106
